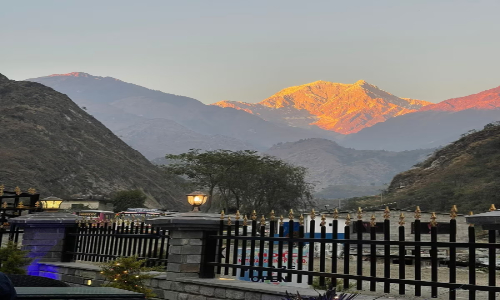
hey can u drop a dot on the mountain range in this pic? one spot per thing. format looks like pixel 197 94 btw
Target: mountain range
pixel 51 144
pixel 343 108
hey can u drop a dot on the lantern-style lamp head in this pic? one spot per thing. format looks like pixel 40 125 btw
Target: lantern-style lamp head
pixel 51 203
pixel 196 199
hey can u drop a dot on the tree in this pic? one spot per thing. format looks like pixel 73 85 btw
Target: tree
pixel 244 180
pixel 13 260
pixel 122 200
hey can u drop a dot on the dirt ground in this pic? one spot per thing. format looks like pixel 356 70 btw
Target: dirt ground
pixel 443 276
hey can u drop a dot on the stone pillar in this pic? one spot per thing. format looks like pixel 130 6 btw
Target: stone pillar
pixel 45 236
pixel 189 246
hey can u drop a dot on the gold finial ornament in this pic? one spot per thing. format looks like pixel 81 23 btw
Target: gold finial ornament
pixel 2 187
pixel 17 190
pixel 222 215
pixel 313 214
pixel 348 220
pixel 372 221
pixel 290 215
pixel 32 191
pixel 37 204
pixel 229 223
pixel 433 220
pixel 4 204
pixel 453 212
pixel 323 221
pixel 245 220
pixel 301 219
pixel 281 220
pixel 263 221
pixel 335 214
pixel 238 215
pixel 20 205
pixel 418 213
pixel 272 217
pixel 387 213
pixel 402 219
pixel 254 215
pixel 471 214
pixel 492 207
pixel 360 213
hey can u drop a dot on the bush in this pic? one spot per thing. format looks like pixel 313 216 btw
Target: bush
pixel 128 273
pixel 13 260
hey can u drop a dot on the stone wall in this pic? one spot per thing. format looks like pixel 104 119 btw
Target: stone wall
pixel 182 288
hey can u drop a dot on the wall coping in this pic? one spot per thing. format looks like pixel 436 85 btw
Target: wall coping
pixel 188 221
pixel 46 219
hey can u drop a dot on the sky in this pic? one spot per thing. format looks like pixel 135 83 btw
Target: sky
pixel 248 50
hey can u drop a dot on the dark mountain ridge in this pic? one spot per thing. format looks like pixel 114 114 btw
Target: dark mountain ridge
pixel 51 144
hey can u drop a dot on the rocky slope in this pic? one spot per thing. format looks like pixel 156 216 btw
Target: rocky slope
pixel 464 173
pixel 122 105
pixel 343 108
pixel 331 164
pixel 51 144
pixel 432 126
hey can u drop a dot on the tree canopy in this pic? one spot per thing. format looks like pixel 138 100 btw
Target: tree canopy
pixel 244 180
pixel 122 200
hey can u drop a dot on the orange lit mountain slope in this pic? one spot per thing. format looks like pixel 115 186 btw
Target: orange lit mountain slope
pixel 343 108
pixel 485 100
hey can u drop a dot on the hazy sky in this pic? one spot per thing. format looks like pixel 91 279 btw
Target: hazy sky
pixel 248 50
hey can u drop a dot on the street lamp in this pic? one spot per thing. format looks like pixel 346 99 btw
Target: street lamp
pixel 196 199
pixel 51 203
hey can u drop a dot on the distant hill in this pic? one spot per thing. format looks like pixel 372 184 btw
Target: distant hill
pixel 464 173
pixel 343 108
pixel 331 164
pixel 51 144
pixel 122 106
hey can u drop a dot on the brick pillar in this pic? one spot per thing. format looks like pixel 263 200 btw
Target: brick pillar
pixel 44 236
pixel 189 246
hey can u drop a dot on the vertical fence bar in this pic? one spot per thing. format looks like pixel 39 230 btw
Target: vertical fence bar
pixel 322 250
pixel 270 251
pixel 359 249
pixel 300 250
pixel 453 252
pixel 290 249
pixel 312 233
pixel 402 252
pixel 150 247
pixel 472 260
pixel 235 242
pixel 227 256
pixel 130 242
pixel 387 250
pixel 140 243
pixel 105 243
pixel 155 247
pixel 417 251
pixel 220 246
pixel 280 247
pixel 491 263
pixel 373 254
pixel 434 258
pixel 163 237
pixel 347 247
pixel 244 247
pixel 335 230
pixel 136 240
pixel 252 244
pixel 262 244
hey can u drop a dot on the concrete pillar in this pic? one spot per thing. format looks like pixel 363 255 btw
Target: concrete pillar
pixel 44 236
pixel 189 246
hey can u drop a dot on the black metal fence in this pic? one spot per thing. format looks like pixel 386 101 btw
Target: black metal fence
pixel 9 233
pixel 98 241
pixel 250 248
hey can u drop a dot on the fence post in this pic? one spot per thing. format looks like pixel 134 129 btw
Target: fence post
pixel 190 246
pixel 44 236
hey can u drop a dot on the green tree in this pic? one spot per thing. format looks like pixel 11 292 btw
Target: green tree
pixel 122 200
pixel 13 260
pixel 244 180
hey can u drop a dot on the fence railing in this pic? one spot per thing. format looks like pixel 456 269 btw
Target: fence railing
pixel 103 241
pixel 9 232
pixel 277 251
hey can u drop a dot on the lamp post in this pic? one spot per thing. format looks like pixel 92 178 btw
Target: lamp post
pixel 196 199
pixel 51 203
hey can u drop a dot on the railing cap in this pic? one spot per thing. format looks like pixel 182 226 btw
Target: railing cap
pixel 46 219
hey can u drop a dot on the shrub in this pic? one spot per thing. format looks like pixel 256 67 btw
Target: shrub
pixel 13 260
pixel 128 273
